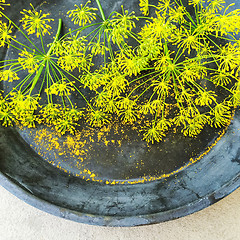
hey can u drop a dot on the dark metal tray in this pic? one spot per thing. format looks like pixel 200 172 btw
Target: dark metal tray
pixel 191 186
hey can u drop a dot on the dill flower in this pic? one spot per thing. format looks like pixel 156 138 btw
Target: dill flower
pixel 229 58
pixel 117 85
pixel 128 115
pixel 50 113
pixel 181 118
pixel 192 128
pixel 149 48
pixel 124 20
pixel 3 3
pixel 83 14
pixel 97 48
pixel 144 8
pixel 28 119
pixel 65 124
pixel 8 75
pixel 97 118
pixel 6 117
pixel 28 60
pixel 146 108
pixel 164 5
pixel 205 98
pixel 220 78
pixel 132 64
pixel 158 28
pixel 153 134
pixel 61 88
pixel 221 115
pixel 5 33
pixel 190 41
pixel 36 22
pixel 195 2
pixel 110 106
pixel 177 14
pixel 70 61
pixel 216 5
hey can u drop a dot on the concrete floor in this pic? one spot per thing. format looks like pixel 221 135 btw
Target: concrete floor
pixel 19 221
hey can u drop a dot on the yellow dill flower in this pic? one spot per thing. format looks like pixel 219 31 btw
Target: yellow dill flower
pixel 181 118
pixel 3 3
pixel 149 48
pixel 132 64
pixel 117 34
pixel 146 108
pixel 83 14
pixel 163 124
pixel 31 102
pixel 157 104
pixel 70 61
pixel 192 128
pixel 102 98
pixel 128 115
pixel 36 22
pixel 144 8
pixel 120 26
pixel 164 63
pixel 202 119
pixel 216 5
pixel 159 28
pixel 28 60
pixel 227 23
pixel 97 118
pixel 64 124
pixel 117 85
pixel 8 75
pixel 177 14
pixel 92 80
pixel 192 111
pixel 50 113
pixel 195 2
pixel 221 115
pixel 235 98
pixel 205 98
pixel 153 134
pixel 97 48
pixel 162 87
pixel 229 58
pixel 190 41
pixel 110 106
pixel 61 88
pixel 28 119
pixel 164 5
pixel 125 103
pixel 124 20
pixel 6 117
pixel 73 114
pixel 5 33
pixel 192 71
pixel 73 45
pixel 220 78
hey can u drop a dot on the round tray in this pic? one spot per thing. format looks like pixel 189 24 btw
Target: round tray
pixel 196 174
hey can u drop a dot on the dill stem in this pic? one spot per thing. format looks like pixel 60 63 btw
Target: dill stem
pixel 101 10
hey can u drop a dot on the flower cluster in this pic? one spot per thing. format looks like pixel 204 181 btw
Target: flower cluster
pixel 182 76
pixel 35 22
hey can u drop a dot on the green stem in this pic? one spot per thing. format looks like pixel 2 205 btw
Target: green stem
pixel 39 72
pixel 101 10
pixel 56 37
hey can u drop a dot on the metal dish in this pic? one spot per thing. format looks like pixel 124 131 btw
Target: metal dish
pixel 198 172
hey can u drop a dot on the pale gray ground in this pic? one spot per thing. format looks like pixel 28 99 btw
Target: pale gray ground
pixel 19 221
